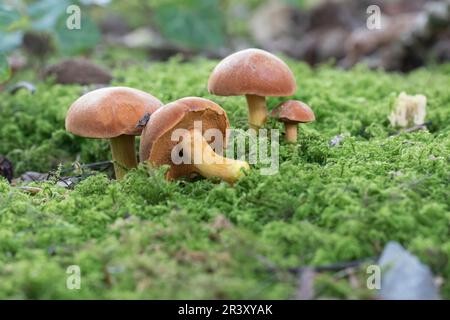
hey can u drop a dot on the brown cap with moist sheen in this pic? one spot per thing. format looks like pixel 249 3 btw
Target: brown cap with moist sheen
pixel 293 111
pixel 252 71
pixel 110 112
pixel 156 141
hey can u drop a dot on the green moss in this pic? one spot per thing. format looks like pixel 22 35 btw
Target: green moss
pixel 144 237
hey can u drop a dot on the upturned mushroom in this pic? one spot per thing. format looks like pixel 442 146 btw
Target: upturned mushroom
pixel 256 74
pixel 112 113
pixel 292 113
pixel 187 120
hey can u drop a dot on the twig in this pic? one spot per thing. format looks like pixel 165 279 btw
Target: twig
pixel 305 289
pixel 333 267
pixel 322 268
pixel 306 274
pixel 103 165
pixel 31 190
pixel 412 129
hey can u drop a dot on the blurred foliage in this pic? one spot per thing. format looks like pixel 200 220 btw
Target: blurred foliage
pixel 197 24
pixel 187 24
pixel 4 68
pixel 8 18
pixel 76 41
pixel 46 16
pixel 194 24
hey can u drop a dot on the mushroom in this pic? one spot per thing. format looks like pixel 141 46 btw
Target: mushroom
pixel 293 112
pixel 256 74
pixel 112 113
pixel 158 145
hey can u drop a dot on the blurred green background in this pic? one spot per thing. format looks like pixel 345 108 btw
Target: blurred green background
pixel 412 34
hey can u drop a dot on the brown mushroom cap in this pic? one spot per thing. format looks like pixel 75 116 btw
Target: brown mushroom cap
pixel 110 112
pixel 293 111
pixel 252 71
pixel 156 144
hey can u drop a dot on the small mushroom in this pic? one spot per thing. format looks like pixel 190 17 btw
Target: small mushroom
pixel 158 146
pixel 256 74
pixel 112 113
pixel 292 113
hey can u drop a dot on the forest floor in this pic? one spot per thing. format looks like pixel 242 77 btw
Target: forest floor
pixel 144 237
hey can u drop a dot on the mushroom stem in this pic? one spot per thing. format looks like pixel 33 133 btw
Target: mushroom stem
pixel 123 154
pixel 208 163
pixel 257 111
pixel 291 132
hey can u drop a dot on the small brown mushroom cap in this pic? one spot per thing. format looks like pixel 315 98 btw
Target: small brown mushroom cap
pixel 110 112
pixel 156 141
pixel 252 72
pixel 293 111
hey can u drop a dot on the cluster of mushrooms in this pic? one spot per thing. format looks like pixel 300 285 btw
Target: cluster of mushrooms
pixel 121 113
